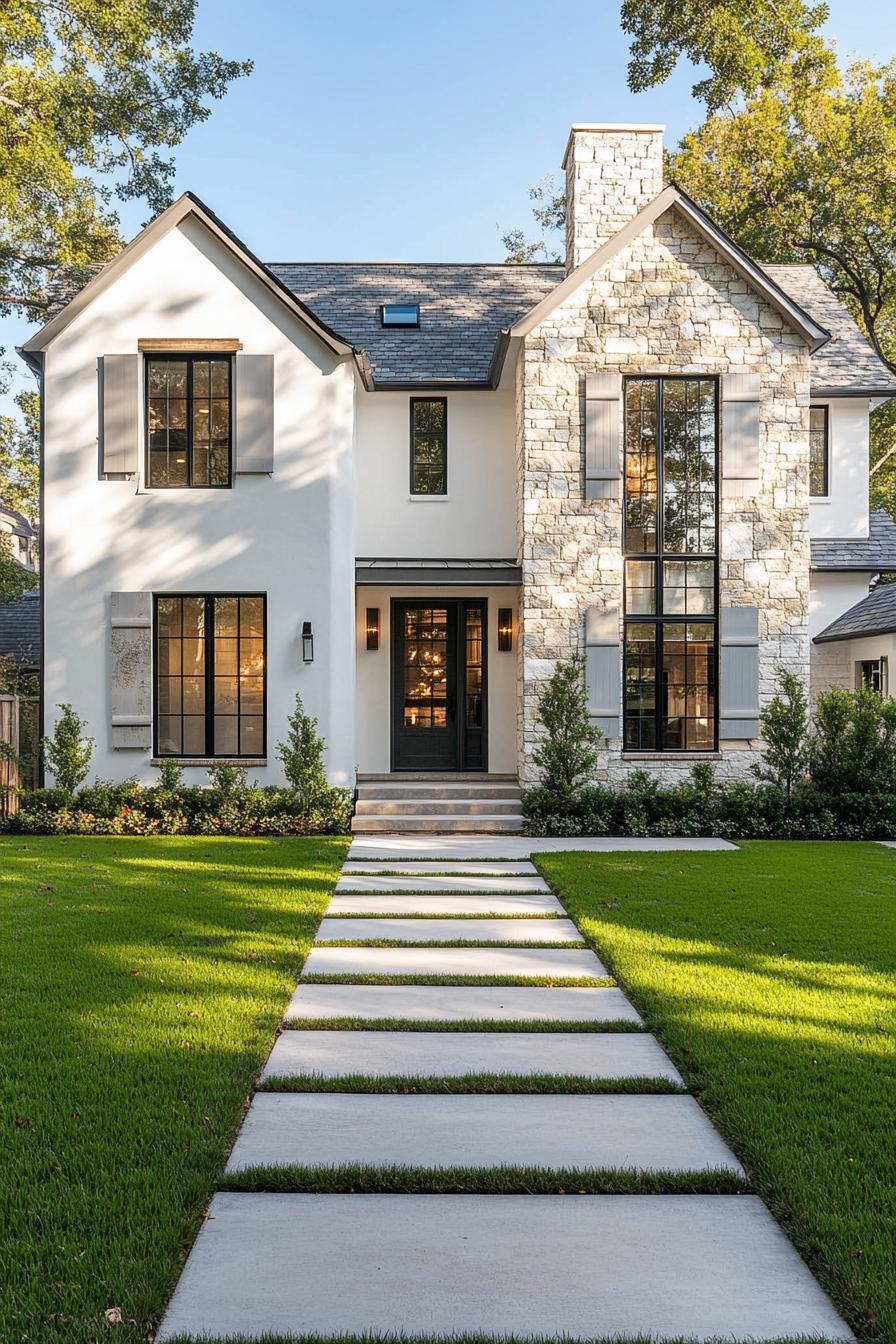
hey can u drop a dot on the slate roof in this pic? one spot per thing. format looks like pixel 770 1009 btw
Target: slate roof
pixel 875 552
pixel 463 309
pixel 20 630
pixel 846 361
pixel 874 615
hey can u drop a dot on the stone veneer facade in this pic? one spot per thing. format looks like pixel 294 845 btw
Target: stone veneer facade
pixel 666 304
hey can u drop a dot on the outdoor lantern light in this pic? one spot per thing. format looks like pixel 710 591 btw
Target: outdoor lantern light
pixel 505 629
pixel 373 627
pixel 307 643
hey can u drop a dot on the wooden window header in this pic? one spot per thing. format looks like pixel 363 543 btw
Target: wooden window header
pixel 212 345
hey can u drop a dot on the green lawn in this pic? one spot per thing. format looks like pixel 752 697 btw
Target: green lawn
pixel 140 982
pixel 768 974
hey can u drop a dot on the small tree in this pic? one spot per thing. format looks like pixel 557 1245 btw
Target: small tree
pixel 68 751
pixel 568 754
pixel 785 727
pixel 853 747
pixel 170 775
pixel 302 757
pixel 226 777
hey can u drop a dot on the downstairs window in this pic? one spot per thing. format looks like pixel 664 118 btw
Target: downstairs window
pixel 210 675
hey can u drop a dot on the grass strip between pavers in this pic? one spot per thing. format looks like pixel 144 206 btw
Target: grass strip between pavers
pixel 479 1083
pixel 401 1337
pixel 457 1024
pixel 361 1178
pixel 438 914
pixel 446 981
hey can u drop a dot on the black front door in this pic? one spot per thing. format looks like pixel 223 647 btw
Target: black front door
pixel 438 684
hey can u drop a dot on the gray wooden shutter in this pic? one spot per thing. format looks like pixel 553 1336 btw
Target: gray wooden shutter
pixel 740 433
pixel 603 667
pixel 603 415
pixel 254 413
pixel 131 620
pixel 121 414
pixel 739 659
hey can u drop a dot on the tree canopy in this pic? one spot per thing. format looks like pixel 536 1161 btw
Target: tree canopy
pixel 92 92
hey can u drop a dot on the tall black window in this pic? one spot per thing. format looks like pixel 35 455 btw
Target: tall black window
pixel 819 451
pixel 671 570
pixel 210 680
pixel 429 446
pixel 188 422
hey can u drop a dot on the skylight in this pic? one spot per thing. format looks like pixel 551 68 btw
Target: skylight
pixel 400 314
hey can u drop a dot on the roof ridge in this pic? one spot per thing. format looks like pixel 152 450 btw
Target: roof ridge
pixel 465 265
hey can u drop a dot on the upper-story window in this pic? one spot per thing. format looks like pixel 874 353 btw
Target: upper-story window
pixel 188 421
pixel 671 565
pixel 429 446
pixel 819 452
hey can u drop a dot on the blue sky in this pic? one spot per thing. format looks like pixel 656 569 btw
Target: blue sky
pixel 409 131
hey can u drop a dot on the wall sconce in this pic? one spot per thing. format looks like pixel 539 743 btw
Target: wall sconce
pixel 373 628
pixel 307 643
pixel 505 629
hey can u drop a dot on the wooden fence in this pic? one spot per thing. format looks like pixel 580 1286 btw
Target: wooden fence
pixel 18 764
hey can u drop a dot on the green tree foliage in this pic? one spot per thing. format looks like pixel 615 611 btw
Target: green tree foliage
pixel 549 210
pixel 92 92
pixel 853 745
pixel 567 753
pixel 68 751
pixel 746 44
pixel 20 457
pixel 302 755
pixel 785 728
pixel 14 578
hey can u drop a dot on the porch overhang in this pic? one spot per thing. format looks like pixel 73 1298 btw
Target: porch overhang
pixel 431 573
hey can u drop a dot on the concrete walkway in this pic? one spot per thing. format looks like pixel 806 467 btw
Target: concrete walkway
pixel 588 1091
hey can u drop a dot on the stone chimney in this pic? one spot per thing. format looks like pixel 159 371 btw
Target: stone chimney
pixel 611 174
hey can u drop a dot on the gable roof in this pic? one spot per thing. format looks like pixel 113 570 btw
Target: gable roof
pixel 873 553
pixel 463 309
pixel 672 197
pixel 20 630
pixel 185 205
pixel 846 365
pixel 874 615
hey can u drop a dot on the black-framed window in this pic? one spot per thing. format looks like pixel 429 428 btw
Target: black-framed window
pixel 429 445
pixel 671 564
pixel 188 421
pixel 873 674
pixel 819 452
pixel 210 674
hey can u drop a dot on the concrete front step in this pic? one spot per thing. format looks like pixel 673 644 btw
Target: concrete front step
pixel 458 791
pixel 577 1267
pixel 437 825
pixel 461 1003
pixel 450 962
pixel 449 931
pixel 450 902
pixel 441 807
pixel 444 778
pixel 548 1131
pixel 451 1054
pixel 372 882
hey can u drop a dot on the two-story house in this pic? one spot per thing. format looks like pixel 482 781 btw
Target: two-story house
pixel 407 490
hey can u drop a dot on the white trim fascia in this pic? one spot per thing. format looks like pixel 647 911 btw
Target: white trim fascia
pixel 169 219
pixel 673 197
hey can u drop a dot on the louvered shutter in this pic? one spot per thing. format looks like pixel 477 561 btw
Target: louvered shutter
pixel 739 660
pixel 121 414
pixel 131 698
pixel 740 433
pixel 254 414
pixel 603 446
pixel 603 668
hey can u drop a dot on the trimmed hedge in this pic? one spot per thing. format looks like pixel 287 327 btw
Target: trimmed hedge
pixel 737 811
pixel 135 809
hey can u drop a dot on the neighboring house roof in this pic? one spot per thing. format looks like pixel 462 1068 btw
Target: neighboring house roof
pixel 846 365
pixel 873 553
pixel 464 307
pixel 20 630
pixel 874 615
pixel 18 523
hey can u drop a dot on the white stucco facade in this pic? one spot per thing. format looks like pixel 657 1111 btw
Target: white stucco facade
pixel 335 495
